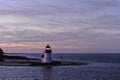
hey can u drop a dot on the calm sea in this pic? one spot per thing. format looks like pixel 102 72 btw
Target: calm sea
pixel 100 67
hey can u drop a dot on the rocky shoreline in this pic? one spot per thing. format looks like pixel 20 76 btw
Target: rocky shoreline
pixel 24 61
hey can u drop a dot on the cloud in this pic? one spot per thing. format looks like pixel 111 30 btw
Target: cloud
pixel 74 25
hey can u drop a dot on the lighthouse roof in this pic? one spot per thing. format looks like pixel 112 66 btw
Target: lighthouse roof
pixel 47 46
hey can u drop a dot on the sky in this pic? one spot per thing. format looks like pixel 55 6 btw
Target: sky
pixel 69 26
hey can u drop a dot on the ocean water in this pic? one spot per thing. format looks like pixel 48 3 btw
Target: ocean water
pixel 100 67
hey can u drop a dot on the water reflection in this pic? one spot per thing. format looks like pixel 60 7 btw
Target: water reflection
pixel 47 72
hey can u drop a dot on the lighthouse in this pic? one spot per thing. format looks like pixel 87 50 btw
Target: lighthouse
pixel 46 57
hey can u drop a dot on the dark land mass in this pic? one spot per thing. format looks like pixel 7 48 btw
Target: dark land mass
pixel 24 61
pixel 15 57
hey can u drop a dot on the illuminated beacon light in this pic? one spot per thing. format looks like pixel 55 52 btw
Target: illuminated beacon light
pixel 48 49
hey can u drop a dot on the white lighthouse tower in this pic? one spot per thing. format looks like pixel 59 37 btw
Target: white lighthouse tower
pixel 46 57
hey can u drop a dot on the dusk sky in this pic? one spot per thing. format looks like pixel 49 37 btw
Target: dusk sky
pixel 70 26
